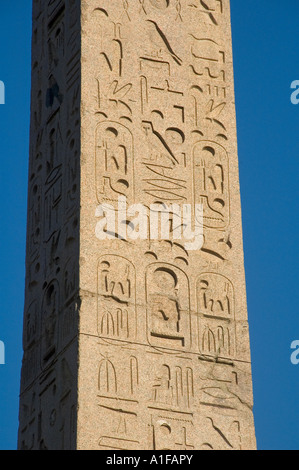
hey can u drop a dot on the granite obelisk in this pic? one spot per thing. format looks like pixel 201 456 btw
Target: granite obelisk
pixel 134 343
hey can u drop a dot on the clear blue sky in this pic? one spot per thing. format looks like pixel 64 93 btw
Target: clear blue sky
pixel 266 57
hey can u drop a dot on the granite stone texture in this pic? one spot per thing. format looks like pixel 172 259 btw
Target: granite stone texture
pixel 133 344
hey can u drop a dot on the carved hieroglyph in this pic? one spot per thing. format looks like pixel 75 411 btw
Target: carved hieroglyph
pixel 133 344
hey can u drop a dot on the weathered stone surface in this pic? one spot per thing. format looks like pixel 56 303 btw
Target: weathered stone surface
pixel 133 344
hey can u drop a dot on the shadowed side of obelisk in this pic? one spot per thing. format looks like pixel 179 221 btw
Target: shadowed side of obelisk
pixel 48 400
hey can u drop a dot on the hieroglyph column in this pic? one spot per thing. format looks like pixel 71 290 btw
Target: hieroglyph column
pixel 134 344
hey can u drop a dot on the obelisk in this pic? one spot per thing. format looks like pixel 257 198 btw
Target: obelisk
pixel 133 344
